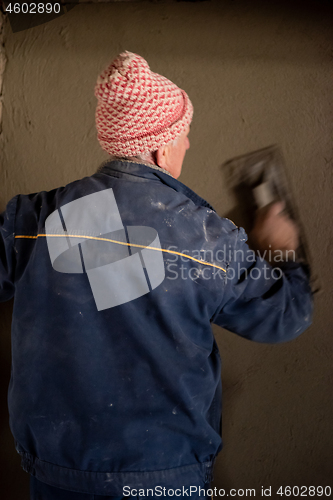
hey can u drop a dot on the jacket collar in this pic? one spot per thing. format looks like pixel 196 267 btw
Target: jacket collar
pixel 154 173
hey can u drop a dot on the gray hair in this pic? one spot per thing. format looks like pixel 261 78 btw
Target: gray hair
pixel 148 157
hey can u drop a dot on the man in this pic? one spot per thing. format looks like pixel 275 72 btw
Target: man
pixel 115 387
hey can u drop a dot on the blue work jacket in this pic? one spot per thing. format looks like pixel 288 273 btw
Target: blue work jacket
pixel 116 280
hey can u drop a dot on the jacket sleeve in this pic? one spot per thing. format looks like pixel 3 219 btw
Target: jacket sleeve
pixel 7 223
pixel 261 302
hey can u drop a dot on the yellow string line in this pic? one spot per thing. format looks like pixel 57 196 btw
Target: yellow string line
pixel 121 243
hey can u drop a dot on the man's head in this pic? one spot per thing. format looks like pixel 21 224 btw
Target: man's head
pixel 142 114
pixel 171 156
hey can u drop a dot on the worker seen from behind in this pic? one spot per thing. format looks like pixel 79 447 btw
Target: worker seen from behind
pixel 117 278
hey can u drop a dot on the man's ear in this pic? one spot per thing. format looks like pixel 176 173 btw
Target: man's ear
pixel 162 155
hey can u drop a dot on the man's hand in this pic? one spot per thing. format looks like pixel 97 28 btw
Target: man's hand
pixel 274 231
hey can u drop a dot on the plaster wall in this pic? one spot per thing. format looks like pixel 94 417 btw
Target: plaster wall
pixel 258 73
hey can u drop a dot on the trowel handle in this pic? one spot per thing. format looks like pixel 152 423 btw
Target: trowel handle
pixel 263 195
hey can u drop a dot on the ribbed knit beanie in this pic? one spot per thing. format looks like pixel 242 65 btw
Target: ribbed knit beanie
pixel 138 110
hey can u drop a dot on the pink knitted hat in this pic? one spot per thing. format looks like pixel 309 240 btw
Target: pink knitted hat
pixel 138 110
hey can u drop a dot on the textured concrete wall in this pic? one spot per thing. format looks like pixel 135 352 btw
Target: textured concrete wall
pixel 257 74
pixel 3 61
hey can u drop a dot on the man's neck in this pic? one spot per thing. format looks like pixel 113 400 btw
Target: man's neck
pixel 142 161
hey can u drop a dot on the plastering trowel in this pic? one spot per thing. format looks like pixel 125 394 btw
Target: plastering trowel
pixel 258 179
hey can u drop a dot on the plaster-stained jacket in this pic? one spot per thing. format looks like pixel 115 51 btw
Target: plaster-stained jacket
pixel 103 396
